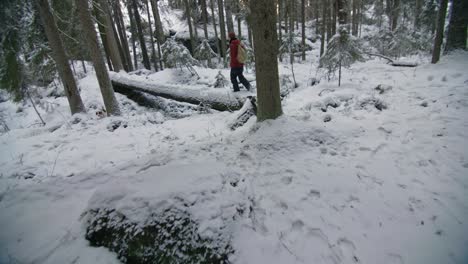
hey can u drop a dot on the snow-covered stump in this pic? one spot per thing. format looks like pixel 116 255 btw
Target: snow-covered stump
pixel 214 98
pixel 247 111
pixel 168 237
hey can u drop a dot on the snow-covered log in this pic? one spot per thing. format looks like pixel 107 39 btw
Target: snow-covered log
pixel 218 99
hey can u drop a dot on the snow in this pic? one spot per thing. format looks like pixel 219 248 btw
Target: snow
pixel 369 186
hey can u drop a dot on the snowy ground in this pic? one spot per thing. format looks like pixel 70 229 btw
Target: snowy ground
pixel 368 186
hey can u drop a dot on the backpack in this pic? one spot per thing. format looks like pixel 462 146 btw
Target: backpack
pixel 241 54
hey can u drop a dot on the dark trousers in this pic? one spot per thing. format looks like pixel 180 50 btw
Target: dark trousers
pixel 235 73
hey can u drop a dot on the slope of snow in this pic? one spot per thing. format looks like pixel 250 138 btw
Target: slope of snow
pixel 367 186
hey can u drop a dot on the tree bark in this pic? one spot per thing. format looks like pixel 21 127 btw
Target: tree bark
pixel 141 36
pixel 133 31
pixel 205 18
pixel 122 35
pixel 291 32
pixel 60 58
pixel 189 22
pixel 417 14
pixel 153 50
pixel 439 31
pixel 330 19
pixel 266 48
pixel 229 22
pixel 334 14
pixel 280 33
pixel 303 30
pixel 103 14
pixel 395 14
pixel 456 37
pixel 108 96
pixel 159 29
pixel 222 26
pixel 218 47
pixel 323 26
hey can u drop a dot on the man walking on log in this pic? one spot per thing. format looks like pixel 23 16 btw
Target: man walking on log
pixel 237 68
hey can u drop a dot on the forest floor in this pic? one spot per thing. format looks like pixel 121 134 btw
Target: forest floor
pixel 380 177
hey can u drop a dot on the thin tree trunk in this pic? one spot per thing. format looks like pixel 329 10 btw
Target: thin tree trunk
pixel 189 22
pixel 60 58
pixel 323 26
pixel 291 32
pixel 222 31
pixel 317 16
pixel 84 66
pixel 395 14
pixel 112 106
pixel 266 48
pixel 439 37
pixel 218 47
pixel 303 31
pixel 456 36
pixel 159 29
pixel 102 34
pixel 280 34
pixel 103 14
pixel 229 22
pixel 141 36
pixel 153 50
pixel 249 31
pixel 122 35
pixel 334 14
pixel 133 31
pixel 205 18
pixel 329 19
pixel 417 14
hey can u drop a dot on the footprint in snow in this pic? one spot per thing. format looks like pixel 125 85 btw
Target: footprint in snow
pixel 393 259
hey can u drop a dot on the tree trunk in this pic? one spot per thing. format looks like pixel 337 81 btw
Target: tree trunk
pixel 330 19
pixel 280 13
pixel 122 35
pixel 395 14
pixel 60 58
pixel 102 34
pixel 229 22
pixel 133 31
pixel 266 48
pixel 417 14
pixel 323 26
pixel 205 18
pixel 222 26
pixel 439 31
pixel 218 47
pixel 112 106
pixel 334 14
pixel 342 14
pixel 103 14
pixel 141 36
pixel 456 37
pixel 189 22
pixel 153 50
pixel 159 30
pixel 303 30
pixel 291 32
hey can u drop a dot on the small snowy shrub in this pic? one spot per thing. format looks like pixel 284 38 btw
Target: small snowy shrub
pixel 342 51
pixel 204 53
pixel 292 44
pixel 177 55
pixel 168 236
pixel 221 81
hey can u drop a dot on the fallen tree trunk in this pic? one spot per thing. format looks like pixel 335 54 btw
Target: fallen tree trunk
pixel 394 63
pixel 218 99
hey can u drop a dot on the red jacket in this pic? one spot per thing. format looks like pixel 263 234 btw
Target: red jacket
pixel 233 49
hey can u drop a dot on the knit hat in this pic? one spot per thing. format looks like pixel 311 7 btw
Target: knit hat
pixel 232 35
